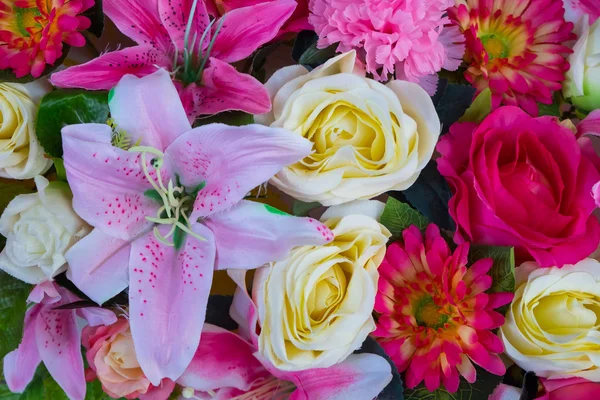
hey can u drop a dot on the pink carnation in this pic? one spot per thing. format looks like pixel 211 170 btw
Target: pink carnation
pixel 407 38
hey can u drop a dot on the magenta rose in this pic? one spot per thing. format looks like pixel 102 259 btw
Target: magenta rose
pixel 524 182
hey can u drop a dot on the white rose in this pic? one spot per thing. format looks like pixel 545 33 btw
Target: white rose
pixel 39 229
pixel 582 80
pixel 368 138
pixel 21 155
pixel 315 306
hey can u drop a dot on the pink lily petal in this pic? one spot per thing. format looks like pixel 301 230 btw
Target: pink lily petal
pixel 20 364
pixel 246 29
pixel 223 359
pixel 59 343
pixel 45 292
pixel 98 265
pixel 149 110
pixel 224 88
pixel 140 21
pixel 174 16
pixel 505 392
pixel 104 72
pixel 251 234
pixel 168 294
pixel 360 376
pixel 107 182
pixel 590 125
pixel 232 160
pixel 97 316
pixel 243 310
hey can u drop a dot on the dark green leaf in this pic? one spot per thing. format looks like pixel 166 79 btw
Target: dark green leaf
pixel 398 216
pixel 66 107
pixel 96 16
pixel 6 394
pixel 393 391
pixel 430 195
pixel 233 118
pixel 154 195
pixel 480 390
pixel 503 270
pixel 549 109
pixel 453 103
pixel 301 209
pixel 6 75
pixel 304 40
pixel 51 389
pixel 481 108
pixel 257 68
pixel 314 56
pixel 9 189
pixel 94 391
pixel 217 312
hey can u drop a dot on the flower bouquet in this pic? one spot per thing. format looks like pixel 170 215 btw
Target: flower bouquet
pixel 299 199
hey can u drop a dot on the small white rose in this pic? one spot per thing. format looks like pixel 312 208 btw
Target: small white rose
pixel 21 155
pixel 315 306
pixel 368 138
pixel 39 229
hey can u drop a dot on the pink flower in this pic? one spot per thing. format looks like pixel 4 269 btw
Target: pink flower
pixel 51 336
pixel 436 318
pixel 524 182
pixel 112 359
pixel 554 389
pixel 196 54
pixel 575 9
pixel 170 210
pixel 226 367
pixel 406 37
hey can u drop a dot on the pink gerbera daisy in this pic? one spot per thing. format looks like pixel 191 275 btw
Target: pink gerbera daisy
pixel 407 38
pixel 435 315
pixel 32 32
pixel 515 47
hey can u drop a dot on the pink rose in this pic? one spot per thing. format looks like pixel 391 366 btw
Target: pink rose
pixel 111 356
pixel 524 182
pixel 570 389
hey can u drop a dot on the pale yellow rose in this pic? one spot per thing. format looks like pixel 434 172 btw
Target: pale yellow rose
pixel 553 325
pixel 21 155
pixel 315 306
pixel 368 138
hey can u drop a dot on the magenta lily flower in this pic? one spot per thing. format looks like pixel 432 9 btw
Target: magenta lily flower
pixel 169 210
pixel 52 336
pixel 177 35
pixel 226 367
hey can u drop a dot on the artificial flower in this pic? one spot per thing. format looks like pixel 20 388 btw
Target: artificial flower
pixel 514 47
pixel 575 10
pixel 552 325
pixel 411 39
pixel 552 389
pixel 315 305
pixel 111 356
pixel 436 318
pixel 582 83
pixel 590 126
pixel 225 367
pixel 207 84
pixel 39 229
pixel 297 22
pixel 524 182
pixel 52 336
pixel 368 138
pixel 169 210
pixel 33 32
pixel 21 155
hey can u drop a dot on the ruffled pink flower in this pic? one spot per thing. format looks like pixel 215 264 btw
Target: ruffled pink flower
pixel 436 318
pixel 407 38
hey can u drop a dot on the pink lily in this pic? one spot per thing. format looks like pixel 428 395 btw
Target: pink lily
pixel 226 367
pixel 590 126
pixel 178 36
pixel 170 210
pixel 51 335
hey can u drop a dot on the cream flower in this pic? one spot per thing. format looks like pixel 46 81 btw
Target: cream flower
pixel 368 138
pixel 39 229
pixel 315 305
pixel 21 155
pixel 553 325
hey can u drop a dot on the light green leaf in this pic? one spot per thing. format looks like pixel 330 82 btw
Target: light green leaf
pixel 61 172
pixel 398 216
pixel 67 107
pixel 481 107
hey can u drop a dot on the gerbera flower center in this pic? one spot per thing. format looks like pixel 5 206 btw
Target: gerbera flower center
pixel 428 314
pixel 495 46
pixel 25 19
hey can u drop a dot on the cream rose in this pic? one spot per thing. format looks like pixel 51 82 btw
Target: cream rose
pixel 315 305
pixel 553 325
pixel 39 229
pixel 368 138
pixel 21 155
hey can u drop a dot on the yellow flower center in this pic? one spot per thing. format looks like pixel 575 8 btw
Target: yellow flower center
pixel 495 46
pixel 428 314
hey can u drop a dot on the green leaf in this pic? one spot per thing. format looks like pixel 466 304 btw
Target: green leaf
pixel 481 108
pixel 314 56
pixel 301 208
pixel 453 103
pixel 6 394
pixel 13 297
pixel 96 16
pixel 66 107
pixel 393 391
pixel 9 189
pixel 552 110
pixel 481 389
pixel 232 118
pixel 51 389
pixel 154 195
pixel 6 75
pixel 94 391
pixel 398 216
pixel 61 172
